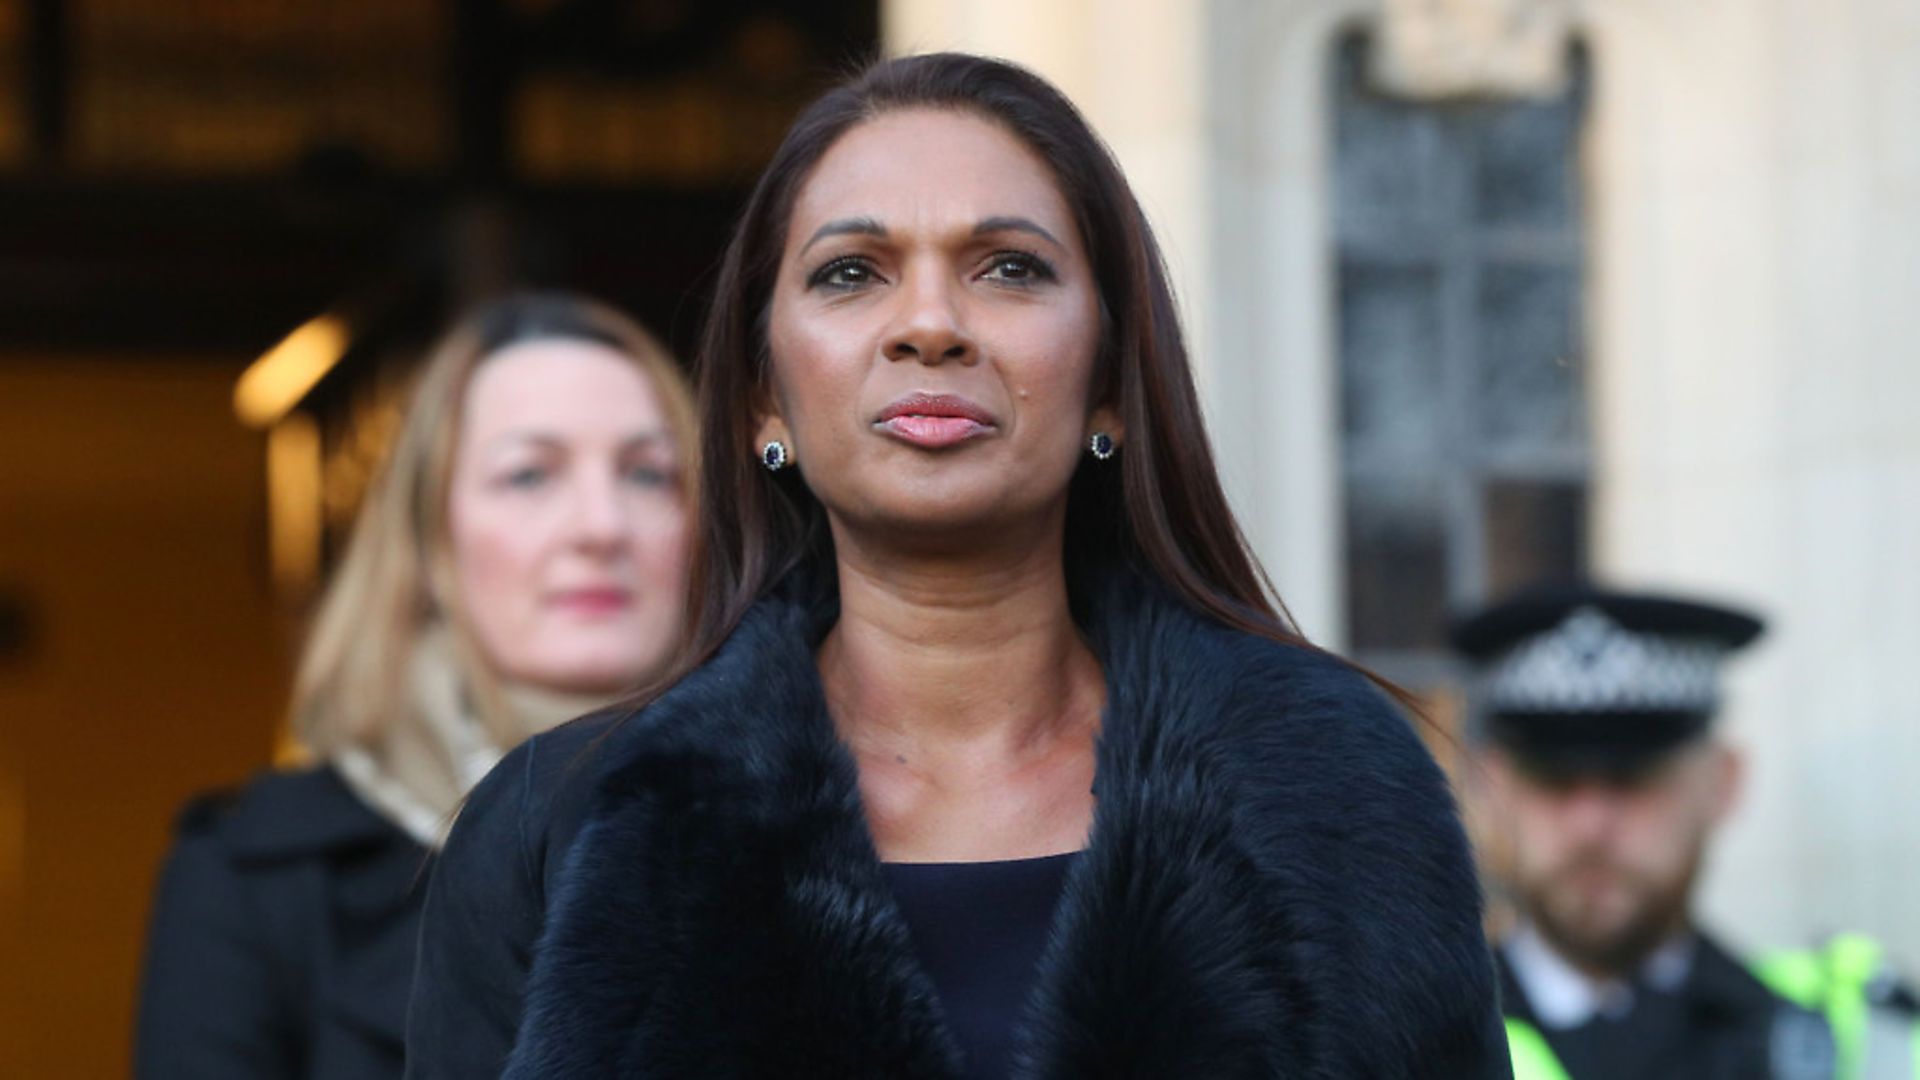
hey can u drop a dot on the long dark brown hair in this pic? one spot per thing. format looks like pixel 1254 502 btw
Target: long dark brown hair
pixel 1161 509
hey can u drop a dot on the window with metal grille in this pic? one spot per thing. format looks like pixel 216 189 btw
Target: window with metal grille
pixel 1461 356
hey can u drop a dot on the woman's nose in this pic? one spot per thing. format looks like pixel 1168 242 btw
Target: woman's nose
pixel 930 328
pixel 599 517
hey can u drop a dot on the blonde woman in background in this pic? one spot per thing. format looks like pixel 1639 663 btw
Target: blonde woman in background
pixel 519 561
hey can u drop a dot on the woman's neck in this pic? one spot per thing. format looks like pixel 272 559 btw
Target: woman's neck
pixel 977 657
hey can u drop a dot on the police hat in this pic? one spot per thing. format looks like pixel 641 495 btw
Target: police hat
pixel 1577 678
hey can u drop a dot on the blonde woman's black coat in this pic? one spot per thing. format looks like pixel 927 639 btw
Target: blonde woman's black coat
pixel 282 939
pixel 1276 885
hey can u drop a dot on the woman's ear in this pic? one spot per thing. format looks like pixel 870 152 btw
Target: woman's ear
pixel 1106 419
pixel 771 429
pixel 769 424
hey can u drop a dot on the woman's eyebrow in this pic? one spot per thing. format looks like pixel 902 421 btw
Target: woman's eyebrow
pixel 1015 224
pixel 866 226
pixel 548 439
pixel 863 226
pixel 646 440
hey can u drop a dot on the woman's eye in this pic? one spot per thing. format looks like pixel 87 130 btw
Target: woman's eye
pixel 847 272
pixel 1018 267
pixel 649 476
pixel 525 477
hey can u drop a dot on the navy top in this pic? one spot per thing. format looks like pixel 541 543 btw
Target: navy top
pixel 979 929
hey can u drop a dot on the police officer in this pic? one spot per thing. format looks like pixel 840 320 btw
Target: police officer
pixel 1597 710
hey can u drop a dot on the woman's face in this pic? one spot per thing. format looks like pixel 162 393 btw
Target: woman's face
pixel 933 330
pixel 568 529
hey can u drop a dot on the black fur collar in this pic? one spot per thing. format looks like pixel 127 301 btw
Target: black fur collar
pixel 1276 883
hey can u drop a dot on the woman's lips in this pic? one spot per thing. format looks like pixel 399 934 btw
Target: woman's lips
pixel 934 420
pixel 592 601
pixel 933 431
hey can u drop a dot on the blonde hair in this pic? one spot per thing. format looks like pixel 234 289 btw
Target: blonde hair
pixel 396 580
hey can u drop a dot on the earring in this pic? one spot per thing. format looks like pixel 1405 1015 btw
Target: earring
pixel 774 455
pixel 1101 446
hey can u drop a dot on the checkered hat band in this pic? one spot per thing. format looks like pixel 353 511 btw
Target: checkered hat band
pixel 1592 664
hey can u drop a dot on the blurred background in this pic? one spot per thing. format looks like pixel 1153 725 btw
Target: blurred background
pixel 1480 292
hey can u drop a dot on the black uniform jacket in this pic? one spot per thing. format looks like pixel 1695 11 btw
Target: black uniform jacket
pixel 283 938
pixel 1721 1024
pixel 1276 884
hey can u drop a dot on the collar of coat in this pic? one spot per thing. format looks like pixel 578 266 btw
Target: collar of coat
pixel 1275 885
pixel 1719 990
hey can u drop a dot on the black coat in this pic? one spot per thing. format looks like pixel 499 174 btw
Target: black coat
pixel 1276 885
pixel 282 939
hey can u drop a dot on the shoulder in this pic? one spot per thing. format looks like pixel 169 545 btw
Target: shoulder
pixel 1321 720
pixel 1341 782
pixel 280 815
pixel 1345 819
pixel 558 770
pixel 527 809
pixel 487 898
pixel 1731 984
pixel 1322 764
pixel 246 878
pixel 1327 761
pixel 1304 722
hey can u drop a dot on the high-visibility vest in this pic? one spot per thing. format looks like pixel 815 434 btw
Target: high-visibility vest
pixel 1532 1058
pixel 1834 981
pixel 1837 980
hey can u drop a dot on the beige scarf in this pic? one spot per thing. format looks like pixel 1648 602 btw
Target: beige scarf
pixel 415 774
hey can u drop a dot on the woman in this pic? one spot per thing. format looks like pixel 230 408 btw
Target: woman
pixel 988 755
pixel 520 560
